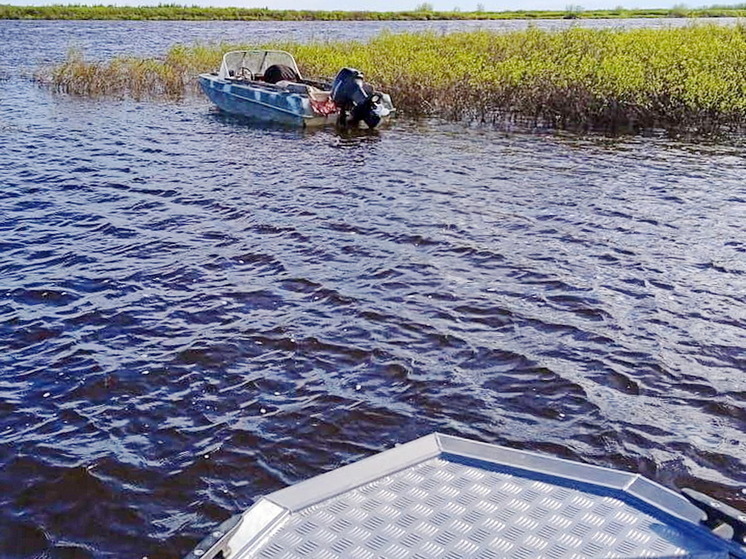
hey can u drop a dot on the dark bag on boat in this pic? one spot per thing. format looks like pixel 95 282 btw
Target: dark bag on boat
pixel 280 72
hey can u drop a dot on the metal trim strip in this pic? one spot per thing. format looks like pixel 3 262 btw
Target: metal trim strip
pixel 322 487
pixel 633 484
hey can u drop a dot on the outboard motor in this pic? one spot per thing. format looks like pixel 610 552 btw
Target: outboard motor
pixel 356 100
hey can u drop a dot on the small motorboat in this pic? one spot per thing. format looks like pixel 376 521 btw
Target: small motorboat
pixel 266 85
pixel 445 497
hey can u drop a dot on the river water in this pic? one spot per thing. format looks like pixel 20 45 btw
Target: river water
pixel 195 311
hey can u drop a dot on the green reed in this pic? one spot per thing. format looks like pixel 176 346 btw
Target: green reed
pixel 690 78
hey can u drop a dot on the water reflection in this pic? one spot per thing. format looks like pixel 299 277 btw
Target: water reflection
pixel 340 136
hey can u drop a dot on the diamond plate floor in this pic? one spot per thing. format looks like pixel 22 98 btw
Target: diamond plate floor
pixel 447 510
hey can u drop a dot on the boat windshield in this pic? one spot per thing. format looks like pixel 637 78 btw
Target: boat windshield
pixel 253 63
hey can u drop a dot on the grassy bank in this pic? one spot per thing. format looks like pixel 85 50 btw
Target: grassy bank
pixel 175 12
pixel 692 78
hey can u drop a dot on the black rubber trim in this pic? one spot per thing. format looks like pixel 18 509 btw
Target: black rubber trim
pixel 719 513
pixel 213 545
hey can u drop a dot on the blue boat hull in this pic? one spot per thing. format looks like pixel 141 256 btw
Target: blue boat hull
pixel 262 103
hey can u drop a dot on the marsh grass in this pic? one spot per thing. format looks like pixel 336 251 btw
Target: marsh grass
pixel 691 78
pixel 119 77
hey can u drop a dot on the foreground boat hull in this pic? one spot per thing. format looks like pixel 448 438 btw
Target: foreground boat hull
pixel 443 496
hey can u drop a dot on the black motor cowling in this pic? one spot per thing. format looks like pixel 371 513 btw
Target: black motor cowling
pixel 356 100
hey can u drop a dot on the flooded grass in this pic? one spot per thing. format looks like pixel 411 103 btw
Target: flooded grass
pixel 691 78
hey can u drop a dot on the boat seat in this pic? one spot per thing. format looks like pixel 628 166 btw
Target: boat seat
pixel 313 92
pixel 293 87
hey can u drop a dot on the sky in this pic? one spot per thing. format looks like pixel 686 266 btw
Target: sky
pixel 387 5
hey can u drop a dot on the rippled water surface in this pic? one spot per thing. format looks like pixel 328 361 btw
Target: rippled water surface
pixel 195 311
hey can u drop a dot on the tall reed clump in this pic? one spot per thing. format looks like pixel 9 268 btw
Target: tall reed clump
pixel 686 78
pixel 171 76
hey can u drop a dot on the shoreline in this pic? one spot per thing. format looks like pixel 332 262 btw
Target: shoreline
pixel 195 13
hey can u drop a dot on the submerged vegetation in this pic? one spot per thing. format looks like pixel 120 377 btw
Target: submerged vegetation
pixel 423 12
pixel 691 78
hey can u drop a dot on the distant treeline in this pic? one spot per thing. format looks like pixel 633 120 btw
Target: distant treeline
pixel 176 12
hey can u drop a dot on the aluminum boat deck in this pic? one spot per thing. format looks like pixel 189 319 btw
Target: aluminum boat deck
pixel 445 497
